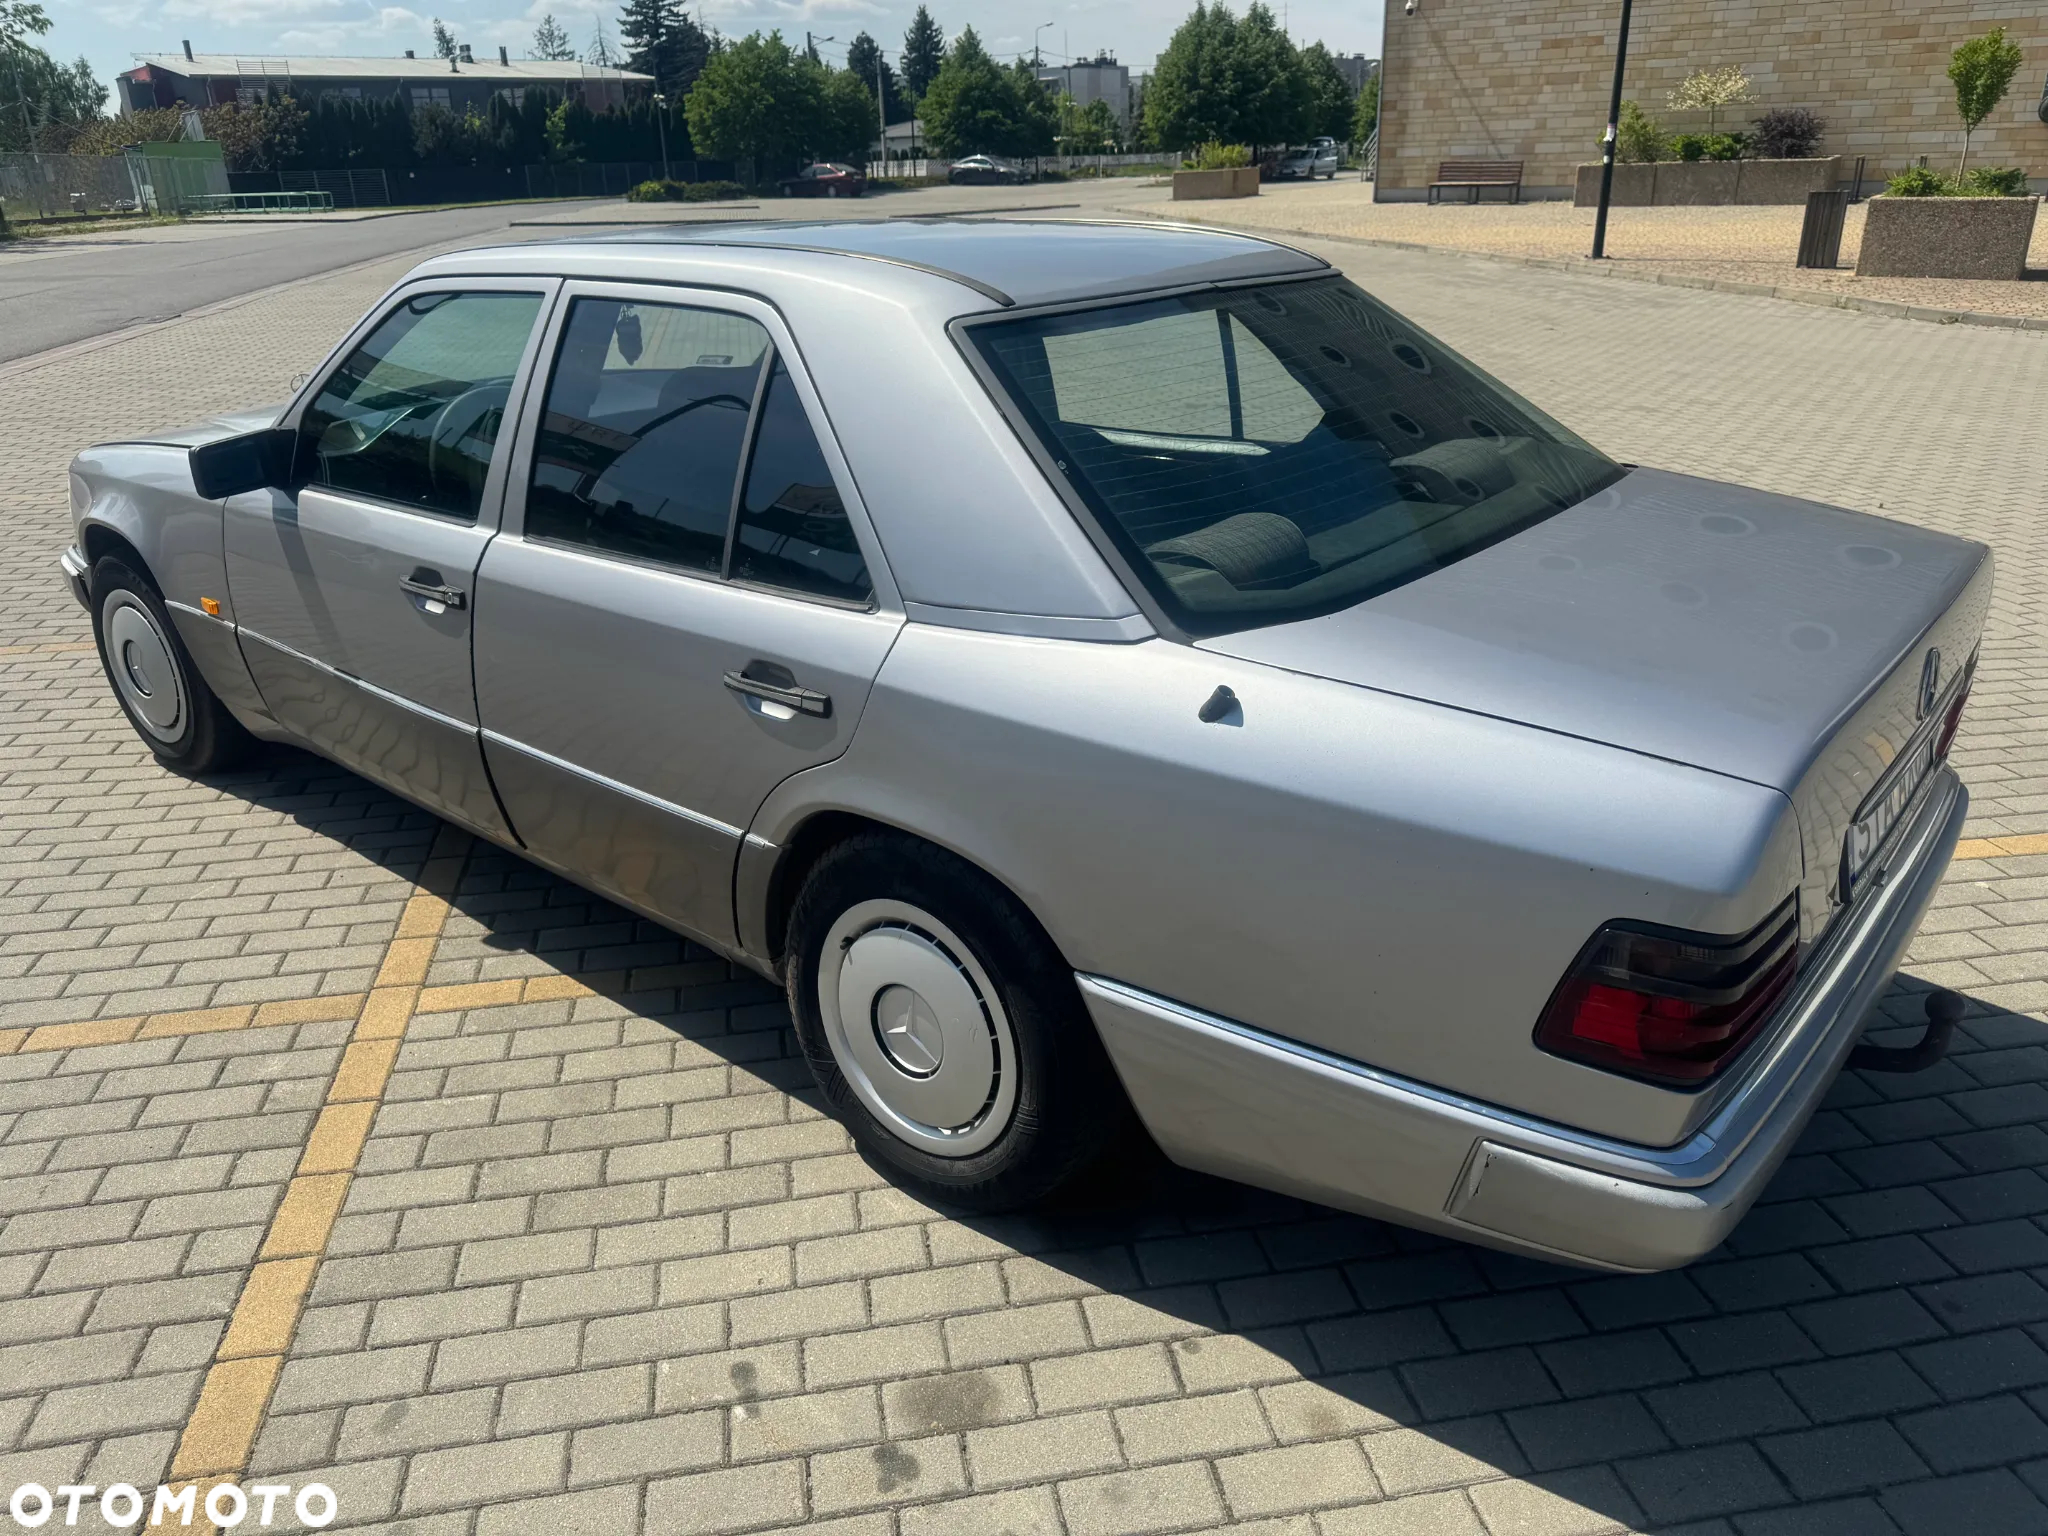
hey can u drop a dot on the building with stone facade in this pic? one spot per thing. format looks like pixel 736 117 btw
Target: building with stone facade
pixel 1528 80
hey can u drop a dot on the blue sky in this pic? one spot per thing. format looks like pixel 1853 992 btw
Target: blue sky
pixel 108 32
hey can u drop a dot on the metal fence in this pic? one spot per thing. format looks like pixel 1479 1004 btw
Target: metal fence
pixel 50 186
pixel 56 186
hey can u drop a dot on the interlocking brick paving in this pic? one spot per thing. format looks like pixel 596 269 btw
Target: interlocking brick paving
pixel 604 1266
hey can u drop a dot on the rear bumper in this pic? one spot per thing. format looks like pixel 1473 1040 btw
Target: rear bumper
pixel 1251 1106
pixel 73 565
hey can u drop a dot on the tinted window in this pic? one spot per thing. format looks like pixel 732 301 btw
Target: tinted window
pixel 1265 454
pixel 642 431
pixel 413 413
pixel 793 531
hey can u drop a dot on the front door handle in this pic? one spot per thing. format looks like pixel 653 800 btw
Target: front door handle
pixel 777 685
pixel 434 590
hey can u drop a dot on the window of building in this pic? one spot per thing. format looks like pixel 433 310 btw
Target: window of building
pixel 430 96
pixel 412 416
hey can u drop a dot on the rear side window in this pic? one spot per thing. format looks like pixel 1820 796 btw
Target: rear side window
pixel 412 415
pixel 793 530
pixel 643 430
pixel 1267 454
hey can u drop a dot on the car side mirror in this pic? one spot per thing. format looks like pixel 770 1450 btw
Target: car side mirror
pixel 251 462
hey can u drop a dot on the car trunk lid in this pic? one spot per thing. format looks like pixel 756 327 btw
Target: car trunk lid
pixel 1756 635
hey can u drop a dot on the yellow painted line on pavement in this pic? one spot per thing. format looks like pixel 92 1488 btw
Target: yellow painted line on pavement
pixel 2002 847
pixel 196 1021
pixel 224 1423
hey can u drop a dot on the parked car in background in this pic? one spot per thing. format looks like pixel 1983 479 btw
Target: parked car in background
pixel 1239 711
pixel 984 170
pixel 1316 158
pixel 825 179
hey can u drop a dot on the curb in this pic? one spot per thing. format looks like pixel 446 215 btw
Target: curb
pixel 1818 298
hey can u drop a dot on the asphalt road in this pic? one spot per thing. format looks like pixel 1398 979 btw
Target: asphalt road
pixel 53 292
pixel 74 287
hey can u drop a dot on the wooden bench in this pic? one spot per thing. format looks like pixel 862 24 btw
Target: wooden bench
pixel 1476 175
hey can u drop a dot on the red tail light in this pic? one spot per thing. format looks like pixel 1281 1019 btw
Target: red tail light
pixel 1670 1006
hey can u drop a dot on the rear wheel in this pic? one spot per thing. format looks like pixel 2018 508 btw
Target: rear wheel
pixel 943 1028
pixel 177 716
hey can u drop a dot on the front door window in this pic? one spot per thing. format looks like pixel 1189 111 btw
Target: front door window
pixel 412 416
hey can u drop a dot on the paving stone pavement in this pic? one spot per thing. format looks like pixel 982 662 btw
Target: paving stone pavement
pixel 603 1265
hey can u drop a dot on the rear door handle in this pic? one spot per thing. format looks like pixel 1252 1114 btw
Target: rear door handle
pixel 432 591
pixel 774 690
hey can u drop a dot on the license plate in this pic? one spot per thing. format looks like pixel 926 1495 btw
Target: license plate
pixel 1882 812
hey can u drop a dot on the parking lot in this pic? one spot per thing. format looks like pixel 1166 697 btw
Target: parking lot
pixel 336 1148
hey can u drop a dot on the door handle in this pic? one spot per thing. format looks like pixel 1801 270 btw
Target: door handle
pixel 806 701
pixel 432 591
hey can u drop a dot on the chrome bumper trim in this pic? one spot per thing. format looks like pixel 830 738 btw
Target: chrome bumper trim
pixel 73 565
pixel 1237 1101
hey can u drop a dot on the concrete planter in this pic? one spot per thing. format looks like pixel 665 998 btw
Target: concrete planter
pixel 1947 237
pixel 1678 183
pixel 1238 181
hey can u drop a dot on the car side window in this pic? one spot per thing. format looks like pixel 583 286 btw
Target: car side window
pixel 412 415
pixel 793 531
pixel 643 429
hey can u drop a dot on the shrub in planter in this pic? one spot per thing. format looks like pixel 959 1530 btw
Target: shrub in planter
pixel 1695 147
pixel 1984 181
pixel 1639 138
pixel 1215 156
pixel 1786 133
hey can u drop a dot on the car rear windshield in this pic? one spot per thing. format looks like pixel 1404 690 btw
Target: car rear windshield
pixel 1270 453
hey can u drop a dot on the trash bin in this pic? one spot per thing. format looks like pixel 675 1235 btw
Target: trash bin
pixel 1820 237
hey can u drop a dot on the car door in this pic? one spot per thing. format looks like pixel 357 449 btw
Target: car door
pixel 352 589
pixel 685 605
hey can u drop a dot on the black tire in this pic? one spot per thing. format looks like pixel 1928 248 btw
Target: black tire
pixel 1068 1106
pixel 192 731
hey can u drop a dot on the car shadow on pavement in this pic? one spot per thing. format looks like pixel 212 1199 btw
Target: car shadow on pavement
pixel 1882 1275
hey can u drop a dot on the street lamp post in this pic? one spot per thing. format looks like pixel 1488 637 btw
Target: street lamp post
pixel 1607 145
pixel 1036 60
pixel 661 127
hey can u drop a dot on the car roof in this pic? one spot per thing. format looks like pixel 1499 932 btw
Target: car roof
pixel 1016 261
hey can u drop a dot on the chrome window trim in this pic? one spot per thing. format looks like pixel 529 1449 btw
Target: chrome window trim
pixel 498 739
pixel 424 711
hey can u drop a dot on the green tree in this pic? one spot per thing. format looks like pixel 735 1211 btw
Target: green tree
pixel 1981 71
pixel 841 114
pixel 661 40
pixel 1365 113
pixel 551 42
pixel 1192 98
pixel 1331 101
pixel 1274 97
pixel 924 52
pixel 865 63
pixel 43 104
pixel 972 105
pixel 444 40
pixel 759 100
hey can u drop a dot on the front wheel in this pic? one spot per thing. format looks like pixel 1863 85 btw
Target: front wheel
pixel 943 1027
pixel 160 690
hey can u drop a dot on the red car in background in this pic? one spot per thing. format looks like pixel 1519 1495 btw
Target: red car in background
pixel 825 179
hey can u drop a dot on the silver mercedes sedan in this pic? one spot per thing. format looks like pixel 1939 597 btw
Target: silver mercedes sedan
pixel 1111 675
